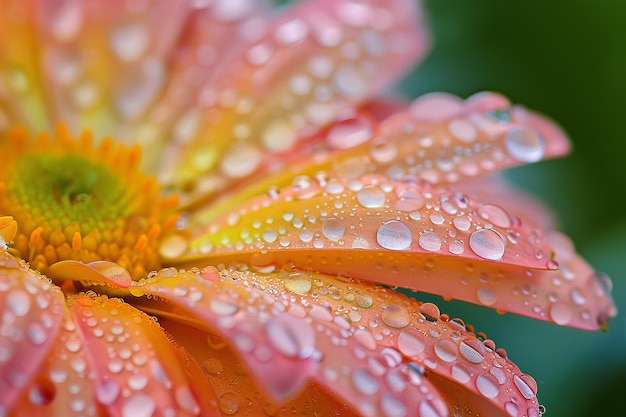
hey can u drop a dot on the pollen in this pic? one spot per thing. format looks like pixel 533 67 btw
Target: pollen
pixel 69 199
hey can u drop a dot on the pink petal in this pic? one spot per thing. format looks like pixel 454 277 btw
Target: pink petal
pixel 312 61
pixel 410 235
pixel 376 349
pixel 30 317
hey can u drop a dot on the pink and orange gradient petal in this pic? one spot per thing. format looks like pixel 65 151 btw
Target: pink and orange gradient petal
pixel 30 317
pixel 411 235
pixel 314 60
pixel 377 350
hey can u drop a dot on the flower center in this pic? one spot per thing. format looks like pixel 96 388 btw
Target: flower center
pixel 74 201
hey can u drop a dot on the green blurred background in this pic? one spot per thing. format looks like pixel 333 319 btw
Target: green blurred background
pixel 567 59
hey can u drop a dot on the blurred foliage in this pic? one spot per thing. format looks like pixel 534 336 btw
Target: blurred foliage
pixel 566 59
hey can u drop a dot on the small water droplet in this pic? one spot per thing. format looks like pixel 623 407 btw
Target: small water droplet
pixel 18 302
pixel 560 313
pixel 229 403
pixel 107 391
pixel 430 241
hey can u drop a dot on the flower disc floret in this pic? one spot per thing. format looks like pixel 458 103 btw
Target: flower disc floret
pixel 76 201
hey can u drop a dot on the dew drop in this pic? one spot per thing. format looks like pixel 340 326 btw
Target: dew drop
pixel 186 400
pixel 487 385
pixel 526 385
pixel 365 382
pixel 371 196
pixel 224 307
pixel 430 311
pixel 349 133
pixel 495 214
pixel 446 350
pixel 430 241
pixel 291 336
pixel 461 223
pixel 333 229
pixel 487 244
pixel 460 374
pixel 392 406
pixel 396 316
pixel 18 302
pixel 298 285
pixel 364 300
pixel 524 144
pixel 107 391
pixel 560 313
pixel 42 393
pixel 486 296
pixel 456 247
pixel 394 235
pixel 139 405
pixel 472 350
pixel 411 343
pixel 229 403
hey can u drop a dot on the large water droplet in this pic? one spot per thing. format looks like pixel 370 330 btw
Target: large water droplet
pixel 139 405
pixel 333 229
pixel 446 350
pixel 291 336
pixel 349 133
pixel 430 311
pixel 487 244
pixel 365 382
pixel 18 302
pixel 560 313
pixel 394 235
pixel 524 144
pixel 487 385
pixel 107 391
pixel 411 343
pixel 371 196
pixel 473 350
pixel 396 316
pixel 495 215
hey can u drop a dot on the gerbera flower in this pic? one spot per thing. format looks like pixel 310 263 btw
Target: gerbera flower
pixel 245 264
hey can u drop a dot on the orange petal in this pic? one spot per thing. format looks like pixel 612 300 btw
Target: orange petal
pixel 377 349
pixel 315 59
pixel 113 359
pixel 92 273
pixel 421 237
pixel 30 317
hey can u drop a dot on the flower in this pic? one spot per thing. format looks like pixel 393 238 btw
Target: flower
pixel 253 273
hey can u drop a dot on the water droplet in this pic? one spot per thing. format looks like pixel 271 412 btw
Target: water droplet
pixel 186 400
pixel 371 196
pixel 446 350
pixel 396 316
pixel 473 350
pixel 560 313
pixel 524 144
pixel 526 385
pixel 229 403
pixel 495 215
pixel 18 302
pixel 139 405
pixel 461 223
pixel 456 247
pixel 394 235
pixel 42 393
pixel 36 334
pixel 107 391
pixel 365 382
pixel 349 82
pixel 430 241
pixel 392 406
pixel 298 285
pixel 460 374
pixel 486 296
pixel 129 42
pixel 349 133
pixel 333 229
pixel 463 130
pixel 487 385
pixel 224 306
pixel 291 336
pixel 430 311
pixel 364 300
pixel 137 382
pixel 487 244
pixel 241 160
pixel 411 343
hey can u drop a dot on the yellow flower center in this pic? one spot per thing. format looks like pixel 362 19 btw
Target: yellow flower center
pixel 74 201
